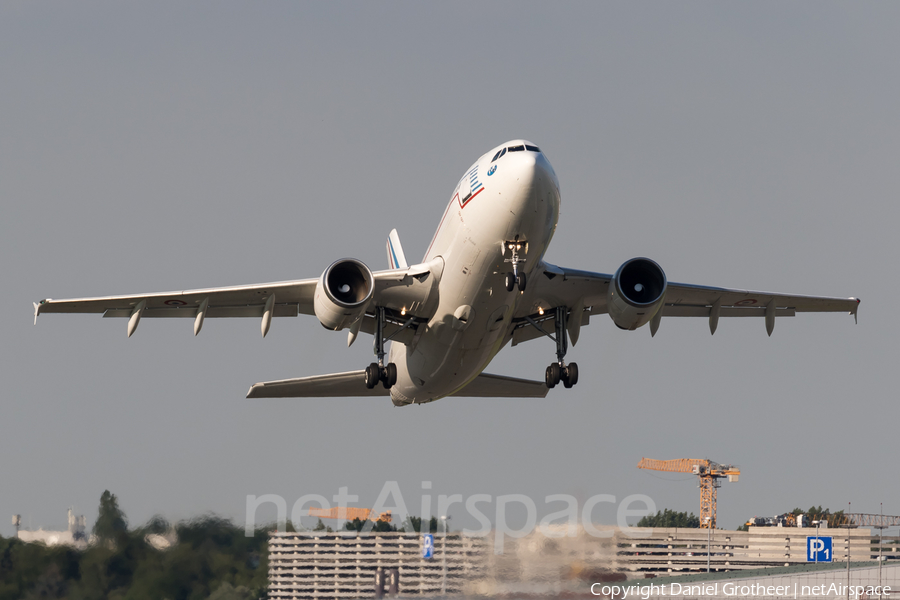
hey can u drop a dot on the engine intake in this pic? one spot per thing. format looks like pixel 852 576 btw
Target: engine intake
pixel 636 293
pixel 343 293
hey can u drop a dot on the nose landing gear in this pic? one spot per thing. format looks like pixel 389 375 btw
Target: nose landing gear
pixel 515 279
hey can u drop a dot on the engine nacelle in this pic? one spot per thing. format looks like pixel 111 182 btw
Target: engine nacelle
pixel 636 292
pixel 343 293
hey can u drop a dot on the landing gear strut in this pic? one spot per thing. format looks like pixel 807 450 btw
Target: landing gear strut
pixel 559 371
pixel 515 279
pixel 377 371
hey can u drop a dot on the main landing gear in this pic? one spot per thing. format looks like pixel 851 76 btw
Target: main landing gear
pixel 559 371
pixel 515 279
pixel 377 371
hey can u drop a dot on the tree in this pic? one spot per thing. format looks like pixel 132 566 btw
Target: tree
pixel 415 524
pixel 379 526
pixel 111 526
pixel 670 518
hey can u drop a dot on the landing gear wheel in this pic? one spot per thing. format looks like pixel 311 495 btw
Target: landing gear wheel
pixel 510 282
pixel 390 376
pixel 520 281
pixel 570 375
pixel 373 375
pixel 552 375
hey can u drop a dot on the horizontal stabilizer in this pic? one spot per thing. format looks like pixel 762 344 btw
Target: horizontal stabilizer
pixel 498 386
pixel 353 383
pixel 335 385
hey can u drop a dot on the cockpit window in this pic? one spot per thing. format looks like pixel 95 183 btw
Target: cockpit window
pixel 523 148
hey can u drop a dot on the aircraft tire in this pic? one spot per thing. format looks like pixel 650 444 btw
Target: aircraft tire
pixel 391 374
pixel 510 282
pixel 373 375
pixel 520 281
pixel 552 375
pixel 570 376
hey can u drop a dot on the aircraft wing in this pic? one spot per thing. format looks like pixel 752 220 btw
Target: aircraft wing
pixel 409 289
pixel 353 383
pixel 585 292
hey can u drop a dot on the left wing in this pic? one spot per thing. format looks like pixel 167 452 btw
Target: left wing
pixel 411 291
pixel 585 293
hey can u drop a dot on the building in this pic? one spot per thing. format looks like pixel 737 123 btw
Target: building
pixel 344 564
pixel 75 536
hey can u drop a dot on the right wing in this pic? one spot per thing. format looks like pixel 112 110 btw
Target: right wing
pixel 585 293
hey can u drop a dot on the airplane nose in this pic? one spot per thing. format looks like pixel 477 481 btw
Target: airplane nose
pixel 523 166
pixel 530 170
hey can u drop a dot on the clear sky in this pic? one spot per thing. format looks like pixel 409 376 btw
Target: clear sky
pixel 161 146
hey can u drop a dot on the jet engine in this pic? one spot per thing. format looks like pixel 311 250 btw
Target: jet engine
pixel 636 292
pixel 343 293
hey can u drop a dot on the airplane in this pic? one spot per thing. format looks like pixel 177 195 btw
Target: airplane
pixel 482 284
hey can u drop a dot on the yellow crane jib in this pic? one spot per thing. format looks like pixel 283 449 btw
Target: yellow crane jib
pixel 348 513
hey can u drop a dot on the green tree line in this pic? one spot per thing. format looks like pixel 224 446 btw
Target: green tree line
pixel 670 518
pixel 213 559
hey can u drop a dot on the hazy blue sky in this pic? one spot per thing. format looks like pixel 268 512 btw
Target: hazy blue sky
pixel 159 146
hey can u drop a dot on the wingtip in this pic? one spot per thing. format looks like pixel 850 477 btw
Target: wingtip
pixel 251 390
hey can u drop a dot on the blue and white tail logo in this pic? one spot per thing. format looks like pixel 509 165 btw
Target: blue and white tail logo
pixel 396 258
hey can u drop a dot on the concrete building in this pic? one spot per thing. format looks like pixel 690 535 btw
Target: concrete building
pixel 303 565
pixel 75 536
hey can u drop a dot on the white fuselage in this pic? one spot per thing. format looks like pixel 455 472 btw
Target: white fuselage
pixel 516 196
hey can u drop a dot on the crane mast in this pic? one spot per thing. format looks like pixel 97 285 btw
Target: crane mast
pixel 709 473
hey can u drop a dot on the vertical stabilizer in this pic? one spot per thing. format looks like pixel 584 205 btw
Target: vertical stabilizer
pixel 396 258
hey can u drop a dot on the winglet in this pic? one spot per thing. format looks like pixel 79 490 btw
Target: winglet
pixel 37 311
pixel 852 312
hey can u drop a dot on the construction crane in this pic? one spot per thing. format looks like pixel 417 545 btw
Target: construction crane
pixel 709 473
pixel 348 513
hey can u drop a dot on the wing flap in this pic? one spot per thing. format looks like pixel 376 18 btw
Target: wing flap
pixel 213 312
pixel 298 293
pixel 682 310
pixel 681 294
pixel 334 385
pixel 487 385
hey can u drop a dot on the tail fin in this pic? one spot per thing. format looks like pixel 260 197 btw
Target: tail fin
pixel 396 258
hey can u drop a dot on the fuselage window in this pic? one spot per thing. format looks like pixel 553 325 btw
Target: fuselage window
pixel 532 148
pixel 516 148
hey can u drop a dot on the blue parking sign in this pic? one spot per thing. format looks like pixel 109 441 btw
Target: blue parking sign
pixel 427 545
pixel 818 549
